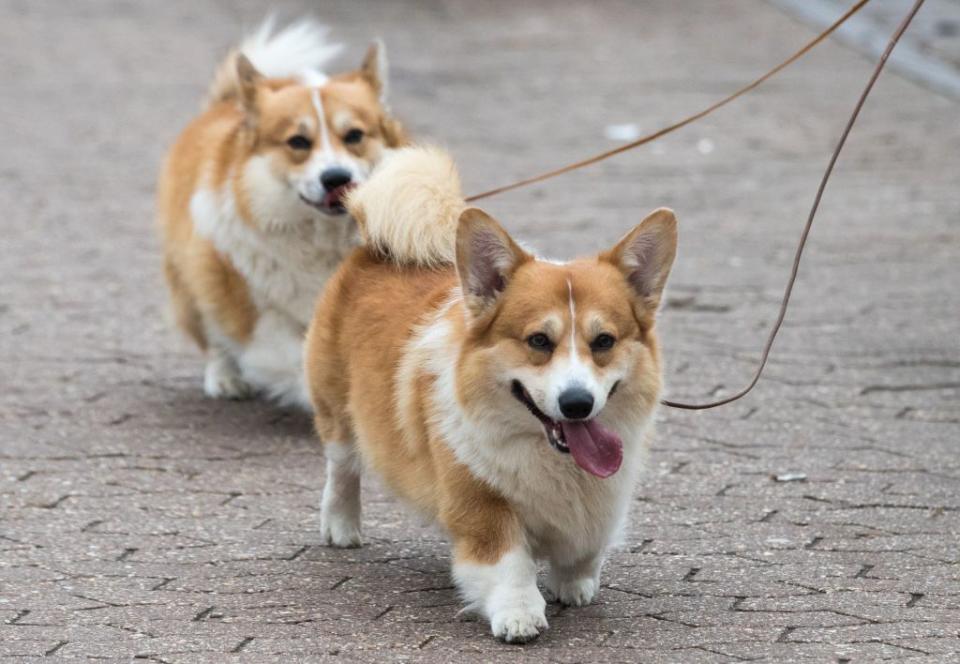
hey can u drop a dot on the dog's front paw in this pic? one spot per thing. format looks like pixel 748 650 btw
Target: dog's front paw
pixel 518 625
pixel 573 592
pixel 340 532
pixel 222 380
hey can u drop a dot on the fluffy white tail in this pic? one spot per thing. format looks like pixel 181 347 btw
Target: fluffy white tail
pixel 409 209
pixel 300 49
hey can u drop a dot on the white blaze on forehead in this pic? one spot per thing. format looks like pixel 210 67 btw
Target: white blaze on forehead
pixel 322 121
pixel 574 372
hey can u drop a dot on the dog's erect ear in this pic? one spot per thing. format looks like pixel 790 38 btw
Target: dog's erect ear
pixel 248 77
pixel 645 255
pixel 374 69
pixel 486 259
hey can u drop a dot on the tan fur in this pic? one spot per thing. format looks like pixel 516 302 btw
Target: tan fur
pixel 410 207
pixel 408 352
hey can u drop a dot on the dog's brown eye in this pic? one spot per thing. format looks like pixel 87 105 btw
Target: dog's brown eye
pixel 540 341
pixel 353 136
pixel 602 342
pixel 299 142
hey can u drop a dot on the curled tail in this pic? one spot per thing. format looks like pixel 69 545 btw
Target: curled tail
pixel 300 49
pixel 409 208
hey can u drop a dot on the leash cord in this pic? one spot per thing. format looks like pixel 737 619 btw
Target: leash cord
pixel 813 211
pixel 677 125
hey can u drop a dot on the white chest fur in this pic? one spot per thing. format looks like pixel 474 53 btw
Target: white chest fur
pixel 286 265
pixel 568 514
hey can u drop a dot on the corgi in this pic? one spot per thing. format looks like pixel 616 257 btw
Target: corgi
pixel 251 202
pixel 507 397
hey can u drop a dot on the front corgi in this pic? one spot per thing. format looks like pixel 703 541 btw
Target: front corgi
pixel 505 396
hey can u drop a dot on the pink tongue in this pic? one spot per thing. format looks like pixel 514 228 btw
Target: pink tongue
pixel 332 198
pixel 596 449
pixel 335 197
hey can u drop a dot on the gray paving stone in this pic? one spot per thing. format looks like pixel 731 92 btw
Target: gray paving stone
pixel 139 519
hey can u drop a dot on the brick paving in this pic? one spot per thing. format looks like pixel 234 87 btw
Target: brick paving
pixel 141 520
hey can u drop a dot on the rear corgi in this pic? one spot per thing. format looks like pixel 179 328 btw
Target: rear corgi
pixel 251 202
pixel 508 397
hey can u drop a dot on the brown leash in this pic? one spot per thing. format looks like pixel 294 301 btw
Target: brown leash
pixel 806 228
pixel 788 291
pixel 643 140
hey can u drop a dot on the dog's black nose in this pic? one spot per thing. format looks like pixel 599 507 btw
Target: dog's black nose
pixel 335 177
pixel 576 403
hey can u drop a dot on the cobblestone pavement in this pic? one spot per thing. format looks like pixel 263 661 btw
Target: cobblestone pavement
pixel 141 520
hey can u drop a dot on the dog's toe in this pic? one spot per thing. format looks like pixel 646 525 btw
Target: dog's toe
pixel 518 625
pixel 574 592
pixel 340 533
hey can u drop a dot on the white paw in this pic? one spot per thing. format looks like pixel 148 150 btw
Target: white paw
pixel 339 531
pixel 222 380
pixel 573 592
pixel 518 625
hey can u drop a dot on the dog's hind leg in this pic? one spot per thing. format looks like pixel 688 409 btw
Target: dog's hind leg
pixel 340 505
pixel 328 389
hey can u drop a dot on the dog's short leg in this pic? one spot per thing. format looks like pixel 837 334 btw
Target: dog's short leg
pixel 504 591
pixel 340 505
pixel 576 584
pixel 222 378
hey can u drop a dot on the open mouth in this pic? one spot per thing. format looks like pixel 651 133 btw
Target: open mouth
pixel 552 428
pixel 332 202
pixel 594 448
